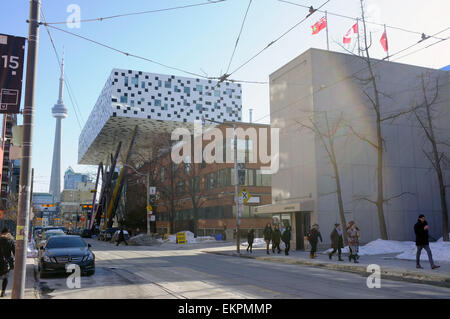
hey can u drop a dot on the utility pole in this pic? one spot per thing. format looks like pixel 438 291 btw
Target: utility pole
pixel 236 192
pixel 148 199
pixel 23 212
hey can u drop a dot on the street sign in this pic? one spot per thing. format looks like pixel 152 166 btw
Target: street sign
pixel 11 72
pixel 152 190
pixel 245 195
pixel 149 208
pixel 152 218
pixel 181 238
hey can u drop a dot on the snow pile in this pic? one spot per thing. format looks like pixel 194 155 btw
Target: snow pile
pixel 440 251
pixel 404 249
pixel 143 240
pixel 190 238
pixel 442 238
pixel 31 250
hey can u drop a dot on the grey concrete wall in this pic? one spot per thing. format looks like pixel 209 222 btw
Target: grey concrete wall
pixel 304 165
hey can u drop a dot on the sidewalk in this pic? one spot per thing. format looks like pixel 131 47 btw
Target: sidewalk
pixel 391 268
pixel 30 282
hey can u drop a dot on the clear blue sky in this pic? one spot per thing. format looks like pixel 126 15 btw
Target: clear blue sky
pixel 195 39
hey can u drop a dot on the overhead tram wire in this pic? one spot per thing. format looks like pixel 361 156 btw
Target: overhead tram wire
pixel 277 39
pixel 351 76
pixel 130 54
pixel 65 82
pixel 140 12
pixel 239 36
pixel 353 18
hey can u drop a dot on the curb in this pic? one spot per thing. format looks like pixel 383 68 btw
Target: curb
pixel 387 273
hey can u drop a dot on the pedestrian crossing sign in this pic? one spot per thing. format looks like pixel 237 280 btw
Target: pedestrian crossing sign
pixel 244 195
pixel 149 208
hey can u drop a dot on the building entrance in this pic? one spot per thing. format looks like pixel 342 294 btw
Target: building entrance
pixel 302 226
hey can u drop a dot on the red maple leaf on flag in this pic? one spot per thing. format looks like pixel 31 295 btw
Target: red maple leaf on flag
pixel 348 35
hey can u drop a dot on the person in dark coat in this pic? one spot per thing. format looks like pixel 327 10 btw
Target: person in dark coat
pixel 267 236
pixel 276 239
pixel 313 237
pixel 337 241
pixel 7 251
pixel 422 242
pixel 286 237
pixel 121 237
pixel 250 238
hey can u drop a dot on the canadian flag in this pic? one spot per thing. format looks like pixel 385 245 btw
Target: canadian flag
pixel 384 42
pixel 348 35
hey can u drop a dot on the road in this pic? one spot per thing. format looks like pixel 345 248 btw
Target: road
pixel 171 271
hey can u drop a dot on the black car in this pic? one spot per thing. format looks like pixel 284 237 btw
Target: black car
pixel 86 233
pixel 60 251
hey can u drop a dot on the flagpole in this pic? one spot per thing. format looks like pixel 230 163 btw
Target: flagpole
pixel 386 43
pixel 359 45
pixel 326 19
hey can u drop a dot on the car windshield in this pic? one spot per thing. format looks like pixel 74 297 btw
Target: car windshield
pixel 65 242
pixel 47 235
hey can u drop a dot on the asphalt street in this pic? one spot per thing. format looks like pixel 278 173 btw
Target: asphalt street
pixel 185 272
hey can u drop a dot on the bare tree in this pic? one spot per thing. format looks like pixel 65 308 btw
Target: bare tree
pixel 327 133
pixel 425 114
pixel 374 96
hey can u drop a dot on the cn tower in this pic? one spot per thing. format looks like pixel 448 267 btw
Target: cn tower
pixel 59 111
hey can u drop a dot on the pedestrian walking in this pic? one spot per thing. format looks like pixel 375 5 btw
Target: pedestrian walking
pixel 276 239
pixel 121 237
pixel 353 235
pixel 7 251
pixel 337 241
pixel 267 236
pixel 313 237
pixel 250 238
pixel 286 237
pixel 422 242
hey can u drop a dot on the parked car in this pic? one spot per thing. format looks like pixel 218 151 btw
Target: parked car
pixel 107 234
pixel 86 233
pixel 62 250
pixel 55 227
pixel 50 233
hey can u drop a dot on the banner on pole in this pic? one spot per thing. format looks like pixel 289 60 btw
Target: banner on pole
pixel 11 72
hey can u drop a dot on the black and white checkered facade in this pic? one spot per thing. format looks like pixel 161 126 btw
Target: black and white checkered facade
pixel 155 102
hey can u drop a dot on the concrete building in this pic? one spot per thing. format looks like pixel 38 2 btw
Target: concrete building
pixel 59 111
pixel 321 82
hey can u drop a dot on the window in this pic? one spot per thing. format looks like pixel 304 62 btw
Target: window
pixel 199 107
pixel 157 102
pixel 132 102
pixel 123 99
pixel 166 107
pixel 143 85
pixel 216 93
pixel 263 179
pixel 187 90
pixel 167 84
pixel 229 92
pixel 159 83
pixel 135 81
pixel 199 88
pixel 180 189
pixel 163 173
pixel 126 81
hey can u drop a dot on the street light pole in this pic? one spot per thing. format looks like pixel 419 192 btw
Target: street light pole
pixel 23 211
pixel 148 200
pixel 236 192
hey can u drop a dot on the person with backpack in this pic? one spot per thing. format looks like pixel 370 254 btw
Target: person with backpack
pixel 276 239
pixel 286 237
pixel 250 238
pixel 313 237
pixel 353 235
pixel 7 250
pixel 267 234
pixel 422 241
pixel 337 241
